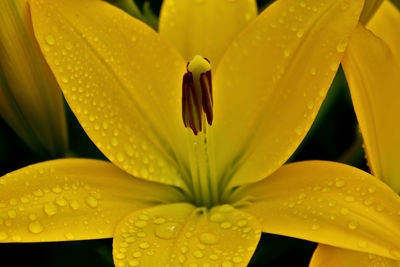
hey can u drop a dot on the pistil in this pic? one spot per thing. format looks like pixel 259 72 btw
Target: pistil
pixel 197 112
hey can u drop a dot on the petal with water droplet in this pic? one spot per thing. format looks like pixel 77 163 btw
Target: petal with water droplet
pixel 123 83
pixel 204 27
pixel 181 234
pixel 327 256
pixel 302 200
pixel 272 80
pixel 91 197
pixel 373 75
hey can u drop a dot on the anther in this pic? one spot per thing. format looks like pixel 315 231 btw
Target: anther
pixel 197 98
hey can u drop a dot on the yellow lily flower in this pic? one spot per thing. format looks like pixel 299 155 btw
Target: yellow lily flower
pixel 30 98
pixel 372 68
pixel 196 196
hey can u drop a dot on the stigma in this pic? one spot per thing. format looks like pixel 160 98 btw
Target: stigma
pixel 197 99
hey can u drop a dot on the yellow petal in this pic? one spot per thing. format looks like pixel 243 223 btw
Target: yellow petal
pixel 370 7
pixel 373 75
pixel 204 27
pixel 272 80
pixel 121 80
pixel 30 99
pixel 329 203
pixel 386 25
pixel 72 199
pixel 328 256
pixel 183 235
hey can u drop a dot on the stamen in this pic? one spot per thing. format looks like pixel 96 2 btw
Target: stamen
pixel 197 99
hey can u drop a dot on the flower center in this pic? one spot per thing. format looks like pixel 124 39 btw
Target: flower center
pixel 197 104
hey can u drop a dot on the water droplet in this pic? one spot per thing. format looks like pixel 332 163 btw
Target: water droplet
pixel 349 198
pixel 298 130
pixel 226 225
pixel 91 201
pixel 198 254
pixel 167 231
pixel 315 227
pixel 133 263
pixel 340 183
pixel 353 225
pixel 114 141
pixel 286 52
pixel 137 254
pixel 341 46
pixel 120 256
pixel 159 220
pixel 35 227
pixel 57 189
pixel 313 71
pixel 241 223
pixel 74 204
pixel 144 245
pixel 334 66
pixel 140 224
pixel 38 193
pixel 60 201
pixel 214 257
pixel 372 189
pixel 50 39
pixel 217 217
pixel 50 208
pixel 344 211
pixel 209 239
pixel 237 259
pixel 379 207
pixel 69 236
pixel 227 264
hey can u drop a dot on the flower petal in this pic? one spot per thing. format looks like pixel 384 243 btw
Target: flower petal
pixel 204 27
pixel 30 99
pixel 373 75
pixel 329 203
pixel 272 80
pixel 72 199
pixel 386 25
pixel 121 80
pixel 370 7
pixel 183 235
pixel 328 256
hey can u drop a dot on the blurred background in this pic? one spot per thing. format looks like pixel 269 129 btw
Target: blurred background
pixel 334 136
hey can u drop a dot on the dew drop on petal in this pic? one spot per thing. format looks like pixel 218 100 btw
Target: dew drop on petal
pixel 50 208
pixel 35 227
pixel 50 39
pixel 340 183
pixel 167 230
pixel 208 239
pixel 69 236
pixel 91 201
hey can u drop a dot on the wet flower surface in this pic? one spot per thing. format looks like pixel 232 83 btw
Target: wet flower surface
pixel 198 195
